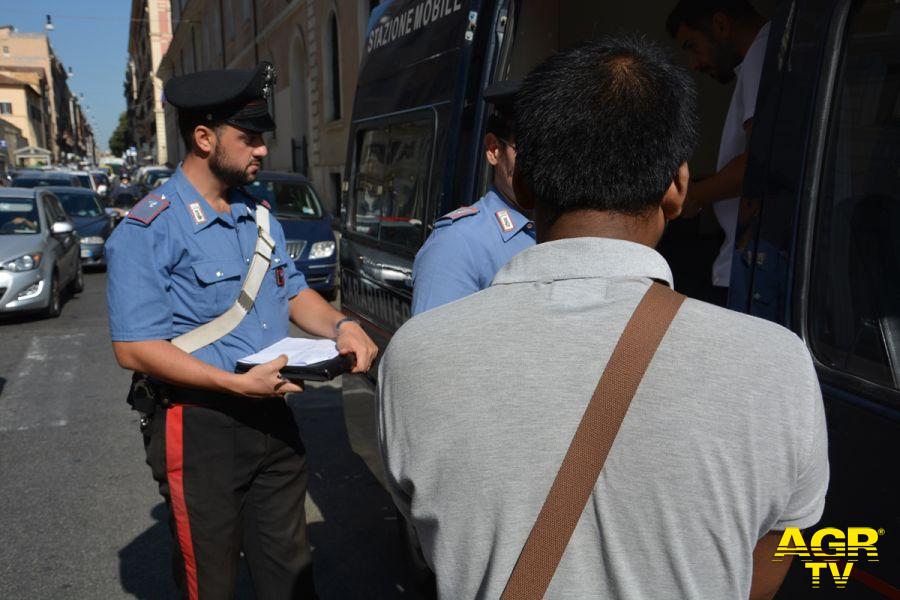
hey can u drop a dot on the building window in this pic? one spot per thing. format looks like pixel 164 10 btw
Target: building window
pixel 855 284
pixel 332 71
pixel 5 50
pixel 248 8
pixel 5 108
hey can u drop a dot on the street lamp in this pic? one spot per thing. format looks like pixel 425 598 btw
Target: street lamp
pixel 49 24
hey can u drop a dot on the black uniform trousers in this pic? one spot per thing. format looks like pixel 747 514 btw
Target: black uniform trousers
pixel 233 473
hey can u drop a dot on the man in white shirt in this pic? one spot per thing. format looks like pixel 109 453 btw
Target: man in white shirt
pixel 725 39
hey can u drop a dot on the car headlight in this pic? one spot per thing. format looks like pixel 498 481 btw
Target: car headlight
pixel 92 239
pixel 23 263
pixel 321 250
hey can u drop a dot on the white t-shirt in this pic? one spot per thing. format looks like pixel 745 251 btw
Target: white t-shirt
pixel 734 143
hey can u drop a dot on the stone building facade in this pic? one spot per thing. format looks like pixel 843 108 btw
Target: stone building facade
pixel 315 45
pixel 148 40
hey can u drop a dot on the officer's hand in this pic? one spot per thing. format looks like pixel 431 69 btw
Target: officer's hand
pixel 265 381
pixel 352 339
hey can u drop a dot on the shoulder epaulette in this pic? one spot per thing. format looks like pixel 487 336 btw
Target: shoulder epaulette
pixel 148 209
pixel 453 216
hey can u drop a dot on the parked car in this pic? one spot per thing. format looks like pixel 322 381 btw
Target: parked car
pixel 87 180
pixel 46 178
pixel 307 226
pixel 146 177
pixel 39 254
pixel 92 222
pixel 102 180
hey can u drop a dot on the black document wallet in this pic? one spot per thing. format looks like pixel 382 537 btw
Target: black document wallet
pixel 320 371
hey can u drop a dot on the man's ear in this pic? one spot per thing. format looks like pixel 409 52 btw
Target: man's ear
pixel 524 195
pixel 204 139
pixel 720 26
pixel 673 200
pixel 492 148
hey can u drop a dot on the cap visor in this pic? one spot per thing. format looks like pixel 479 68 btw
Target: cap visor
pixel 258 123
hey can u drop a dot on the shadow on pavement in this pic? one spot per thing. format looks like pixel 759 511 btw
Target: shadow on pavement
pixel 145 567
pixel 356 547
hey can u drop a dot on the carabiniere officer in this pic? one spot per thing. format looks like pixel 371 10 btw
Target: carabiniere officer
pixel 223 447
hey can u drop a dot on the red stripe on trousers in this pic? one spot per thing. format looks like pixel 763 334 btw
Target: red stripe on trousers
pixel 175 473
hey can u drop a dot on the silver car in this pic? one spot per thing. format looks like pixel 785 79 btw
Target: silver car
pixel 39 252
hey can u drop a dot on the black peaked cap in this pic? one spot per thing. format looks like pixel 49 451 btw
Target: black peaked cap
pixel 235 96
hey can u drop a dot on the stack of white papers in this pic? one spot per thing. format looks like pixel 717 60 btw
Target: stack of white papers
pixel 300 352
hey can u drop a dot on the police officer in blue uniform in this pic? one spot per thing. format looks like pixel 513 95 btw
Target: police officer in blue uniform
pixel 223 447
pixel 470 244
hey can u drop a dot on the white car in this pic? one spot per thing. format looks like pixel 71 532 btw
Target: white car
pixel 39 252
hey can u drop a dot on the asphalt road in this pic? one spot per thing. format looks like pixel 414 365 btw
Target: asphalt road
pixel 80 516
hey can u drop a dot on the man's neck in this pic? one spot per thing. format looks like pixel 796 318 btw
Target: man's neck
pixel 204 181
pixel 594 223
pixel 510 200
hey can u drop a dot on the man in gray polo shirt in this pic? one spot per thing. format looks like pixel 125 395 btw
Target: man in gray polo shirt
pixel 724 443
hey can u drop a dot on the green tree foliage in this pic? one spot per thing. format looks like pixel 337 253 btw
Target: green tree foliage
pixel 121 139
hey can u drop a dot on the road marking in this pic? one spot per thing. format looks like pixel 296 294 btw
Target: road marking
pixel 41 391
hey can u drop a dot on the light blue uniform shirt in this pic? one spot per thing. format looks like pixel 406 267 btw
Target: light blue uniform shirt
pixel 466 249
pixel 175 263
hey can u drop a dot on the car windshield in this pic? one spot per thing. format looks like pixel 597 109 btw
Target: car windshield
pixel 18 215
pixel 80 205
pixel 30 182
pixel 289 199
pixel 85 180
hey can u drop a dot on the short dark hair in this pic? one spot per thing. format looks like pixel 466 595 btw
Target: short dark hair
pixel 500 122
pixel 187 122
pixel 697 14
pixel 605 126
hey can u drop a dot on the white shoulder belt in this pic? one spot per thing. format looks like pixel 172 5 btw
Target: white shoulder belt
pixel 224 324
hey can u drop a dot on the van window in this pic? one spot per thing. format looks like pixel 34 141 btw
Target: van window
pixel 854 311
pixel 390 188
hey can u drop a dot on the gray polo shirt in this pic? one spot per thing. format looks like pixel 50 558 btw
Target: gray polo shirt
pixel 478 400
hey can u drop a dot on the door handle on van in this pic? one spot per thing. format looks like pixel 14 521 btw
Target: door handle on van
pixel 389 274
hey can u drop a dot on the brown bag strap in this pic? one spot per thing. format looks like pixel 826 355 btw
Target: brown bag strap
pixel 593 440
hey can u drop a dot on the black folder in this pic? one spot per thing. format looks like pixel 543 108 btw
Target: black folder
pixel 320 371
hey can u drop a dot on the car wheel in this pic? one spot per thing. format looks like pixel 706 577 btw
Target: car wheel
pixel 77 285
pixel 54 305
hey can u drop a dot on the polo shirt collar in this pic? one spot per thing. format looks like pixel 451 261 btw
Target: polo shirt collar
pixel 585 258
pixel 497 205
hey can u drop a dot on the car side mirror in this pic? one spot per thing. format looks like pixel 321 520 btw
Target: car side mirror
pixel 61 228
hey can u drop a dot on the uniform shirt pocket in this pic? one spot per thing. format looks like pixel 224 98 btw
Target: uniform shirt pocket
pixel 220 281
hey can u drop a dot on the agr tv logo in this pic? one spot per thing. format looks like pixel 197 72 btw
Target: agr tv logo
pixel 830 550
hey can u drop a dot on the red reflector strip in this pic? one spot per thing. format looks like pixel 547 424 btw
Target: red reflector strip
pixel 175 474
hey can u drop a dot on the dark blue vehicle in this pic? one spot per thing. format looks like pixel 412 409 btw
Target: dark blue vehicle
pixel 91 221
pixel 306 224
pixel 818 242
